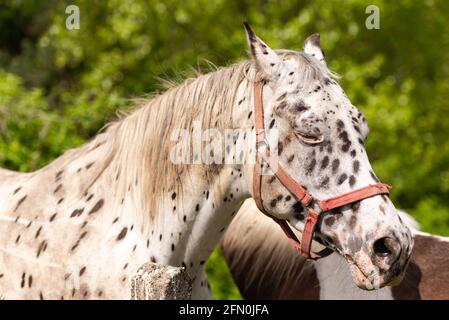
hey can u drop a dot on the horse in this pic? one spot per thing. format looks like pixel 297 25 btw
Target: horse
pixel 257 252
pixel 80 227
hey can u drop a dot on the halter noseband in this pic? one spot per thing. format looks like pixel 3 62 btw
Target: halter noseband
pixel 300 193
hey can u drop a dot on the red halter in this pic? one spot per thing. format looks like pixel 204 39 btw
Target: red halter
pixel 298 191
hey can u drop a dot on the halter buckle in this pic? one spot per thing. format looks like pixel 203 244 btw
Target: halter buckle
pixel 306 200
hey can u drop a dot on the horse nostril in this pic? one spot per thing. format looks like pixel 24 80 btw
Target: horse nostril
pixel 383 247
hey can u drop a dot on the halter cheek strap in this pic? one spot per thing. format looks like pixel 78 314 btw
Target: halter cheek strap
pixel 298 191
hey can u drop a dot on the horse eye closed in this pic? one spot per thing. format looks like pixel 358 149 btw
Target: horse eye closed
pixel 309 138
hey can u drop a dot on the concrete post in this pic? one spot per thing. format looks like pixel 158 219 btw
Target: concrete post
pixel 160 282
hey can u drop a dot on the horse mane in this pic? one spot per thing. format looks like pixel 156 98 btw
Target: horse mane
pixel 138 144
pixel 255 246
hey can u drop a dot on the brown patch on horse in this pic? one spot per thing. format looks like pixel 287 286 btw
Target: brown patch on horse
pixel 408 288
pixel 427 276
pixel 266 267
pixel 304 285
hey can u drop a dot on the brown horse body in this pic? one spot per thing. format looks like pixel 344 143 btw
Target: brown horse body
pixel 265 266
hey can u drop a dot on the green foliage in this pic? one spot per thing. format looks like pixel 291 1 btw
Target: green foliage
pixel 58 87
pixel 221 279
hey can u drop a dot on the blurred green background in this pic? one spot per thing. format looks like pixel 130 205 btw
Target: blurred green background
pixel 59 86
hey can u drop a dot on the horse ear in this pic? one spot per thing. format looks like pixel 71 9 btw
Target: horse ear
pixel 267 61
pixel 312 47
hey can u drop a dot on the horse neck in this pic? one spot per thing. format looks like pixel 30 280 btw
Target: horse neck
pixel 193 220
pixel 187 218
pixel 194 229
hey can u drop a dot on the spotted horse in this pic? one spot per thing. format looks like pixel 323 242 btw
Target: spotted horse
pixel 80 227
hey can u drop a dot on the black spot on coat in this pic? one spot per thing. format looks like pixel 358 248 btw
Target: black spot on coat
pixel 20 202
pixel 97 206
pixel 122 234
